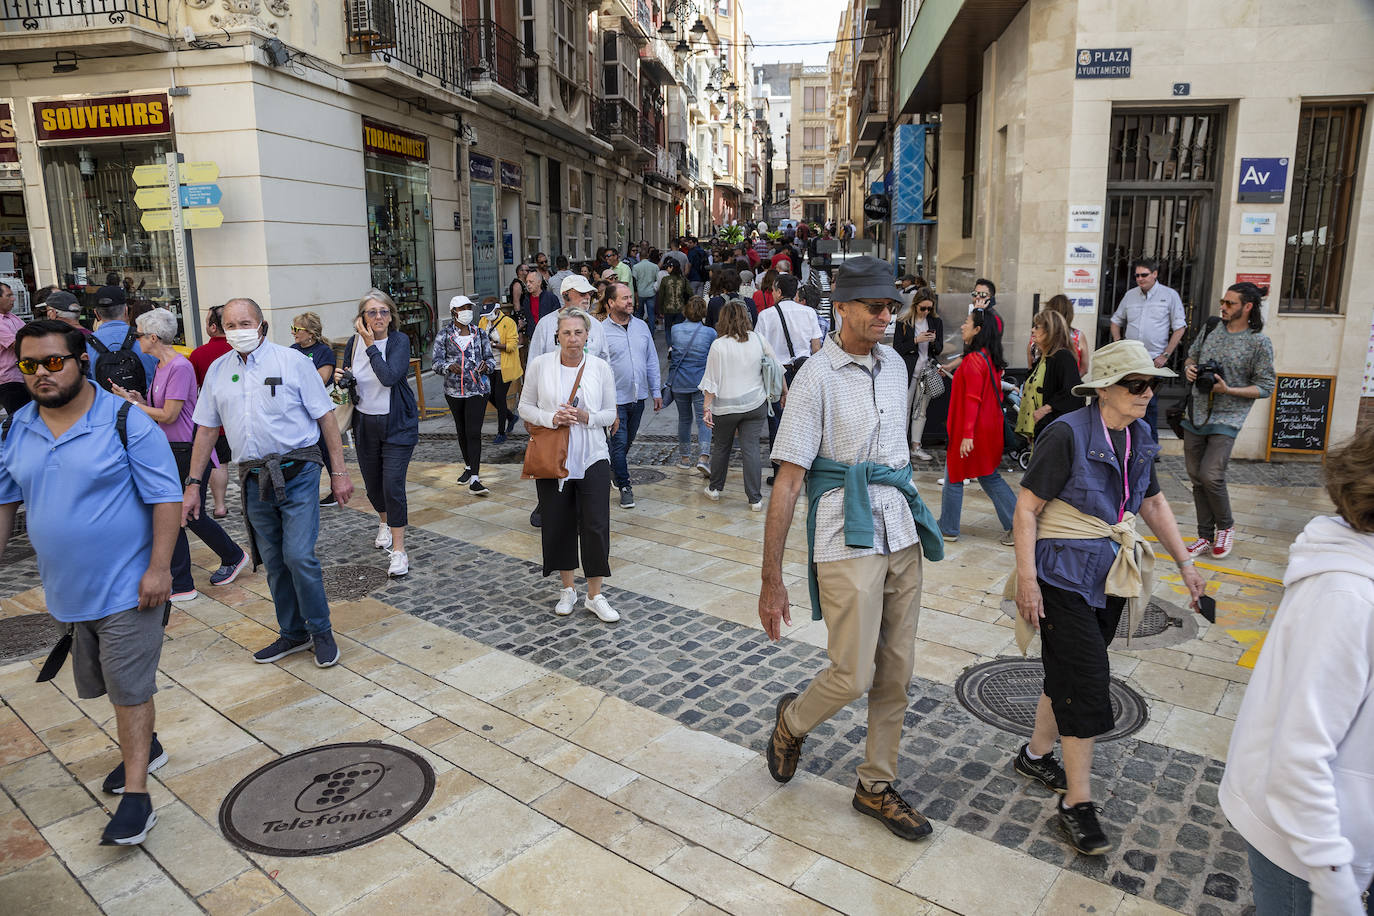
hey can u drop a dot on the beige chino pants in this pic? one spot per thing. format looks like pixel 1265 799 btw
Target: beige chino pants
pixel 870 605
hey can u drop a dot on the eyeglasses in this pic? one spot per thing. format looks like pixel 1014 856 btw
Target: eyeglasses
pixel 1144 275
pixel 1137 386
pixel 377 313
pixel 1229 302
pixel 297 330
pixel 877 308
pixel 53 363
pixel 978 294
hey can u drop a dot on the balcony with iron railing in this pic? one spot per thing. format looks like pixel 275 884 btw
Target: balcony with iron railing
pixel 873 115
pixel 618 122
pixel 33 30
pixel 409 46
pixel 497 59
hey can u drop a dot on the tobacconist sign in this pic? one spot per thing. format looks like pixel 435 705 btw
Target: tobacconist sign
pixel 385 140
pixel 9 149
pixel 103 117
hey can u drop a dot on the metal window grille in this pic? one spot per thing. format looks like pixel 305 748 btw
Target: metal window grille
pixel 1316 243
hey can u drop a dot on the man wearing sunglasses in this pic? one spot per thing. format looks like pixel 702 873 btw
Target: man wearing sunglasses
pixel 1151 313
pixel 1079 560
pixel 108 583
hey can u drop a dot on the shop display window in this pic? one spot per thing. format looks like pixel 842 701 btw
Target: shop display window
pixel 400 237
pixel 96 234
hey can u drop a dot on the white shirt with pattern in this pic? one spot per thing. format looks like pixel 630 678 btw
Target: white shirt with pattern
pixel 840 410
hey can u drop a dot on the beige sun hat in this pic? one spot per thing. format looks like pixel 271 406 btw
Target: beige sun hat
pixel 1114 362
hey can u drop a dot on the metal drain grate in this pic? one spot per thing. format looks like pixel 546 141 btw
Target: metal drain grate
pixel 349 583
pixel 646 476
pixel 1164 624
pixel 1005 692
pixel 27 635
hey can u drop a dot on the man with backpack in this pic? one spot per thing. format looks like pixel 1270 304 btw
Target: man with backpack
pixel 115 355
pixel 76 454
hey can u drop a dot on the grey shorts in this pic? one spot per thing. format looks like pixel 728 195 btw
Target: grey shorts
pixel 118 655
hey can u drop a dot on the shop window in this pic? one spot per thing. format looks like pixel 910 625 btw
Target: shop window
pixel 401 240
pixel 533 237
pixel 534 186
pixel 96 230
pixel 1319 206
pixel 574 190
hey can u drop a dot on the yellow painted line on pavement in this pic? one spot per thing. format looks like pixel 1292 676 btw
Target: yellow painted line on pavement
pixel 1226 569
pixel 1253 640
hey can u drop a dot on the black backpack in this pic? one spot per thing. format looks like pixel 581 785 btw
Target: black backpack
pixel 122 367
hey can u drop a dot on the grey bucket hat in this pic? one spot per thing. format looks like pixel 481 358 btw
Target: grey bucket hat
pixel 864 277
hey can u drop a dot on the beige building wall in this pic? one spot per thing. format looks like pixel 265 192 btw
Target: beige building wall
pixel 1043 140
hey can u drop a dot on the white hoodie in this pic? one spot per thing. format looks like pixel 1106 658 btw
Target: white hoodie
pixel 1299 782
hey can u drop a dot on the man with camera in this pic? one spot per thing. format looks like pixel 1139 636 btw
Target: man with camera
pixel 1230 367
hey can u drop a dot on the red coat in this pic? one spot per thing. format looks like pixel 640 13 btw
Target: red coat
pixel 975 412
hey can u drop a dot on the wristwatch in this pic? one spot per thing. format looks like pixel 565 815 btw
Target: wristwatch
pixel 192 482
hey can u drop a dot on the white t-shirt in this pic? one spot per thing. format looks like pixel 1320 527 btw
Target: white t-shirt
pixel 579 441
pixel 802 325
pixel 734 373
pixel 374 398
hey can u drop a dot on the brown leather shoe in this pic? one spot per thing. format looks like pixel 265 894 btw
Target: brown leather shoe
pixel 892 810
pixel 784 750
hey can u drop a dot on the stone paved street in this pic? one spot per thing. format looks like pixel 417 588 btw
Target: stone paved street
pixel 622 764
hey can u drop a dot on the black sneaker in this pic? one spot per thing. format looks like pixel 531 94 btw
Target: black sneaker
pixel 1079 823
pixel 328 499
pixel 131 822
pixel 627 498
pixel 477 489
pixel 280 649
pixel 465 477
pixel 114 783
pixel 1046 770
pixel 536 520
pixel 326 649
pixel 229 572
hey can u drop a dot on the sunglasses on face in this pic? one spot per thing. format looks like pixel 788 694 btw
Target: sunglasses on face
pixel 54 363
pixel 297 330
pixel 1137 386
pixel 1230 303
pixel 377 313
pixel 980 295
pixel 877 308
pixel 1143 276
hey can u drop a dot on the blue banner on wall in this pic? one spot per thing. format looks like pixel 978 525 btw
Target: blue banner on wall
pixel 907 184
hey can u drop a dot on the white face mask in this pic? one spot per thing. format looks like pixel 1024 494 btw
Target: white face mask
pixel 464 317
pixel 243 340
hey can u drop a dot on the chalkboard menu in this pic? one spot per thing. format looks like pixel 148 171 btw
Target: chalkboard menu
pixel 1300 413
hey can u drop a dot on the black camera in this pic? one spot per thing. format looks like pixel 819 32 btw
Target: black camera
pixel 346 380
pixel 1207 375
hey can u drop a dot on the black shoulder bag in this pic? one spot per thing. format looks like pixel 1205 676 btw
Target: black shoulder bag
pixel 1174 415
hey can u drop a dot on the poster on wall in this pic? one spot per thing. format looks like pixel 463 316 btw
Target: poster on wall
pixel 485 271
pixel 1084 305
pixel 1085 218
pixel 1080 277
pixel 1083 253
pixel 1257 224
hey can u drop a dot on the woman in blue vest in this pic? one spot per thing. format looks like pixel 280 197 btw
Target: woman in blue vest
pixel 1078 560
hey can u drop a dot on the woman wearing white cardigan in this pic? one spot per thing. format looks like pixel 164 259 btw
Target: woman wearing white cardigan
pixel 577 508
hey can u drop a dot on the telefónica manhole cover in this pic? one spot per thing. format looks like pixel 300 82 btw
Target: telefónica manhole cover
pixel 349 583
pixel 27 635
pixel 1005 692
pixel 646 475
pixel 325 799
pixel 1163 624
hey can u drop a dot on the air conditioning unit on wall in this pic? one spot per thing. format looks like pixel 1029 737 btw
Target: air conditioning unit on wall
pixel 371 23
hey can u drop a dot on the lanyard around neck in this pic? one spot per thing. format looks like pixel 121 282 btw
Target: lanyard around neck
pixel 1124 464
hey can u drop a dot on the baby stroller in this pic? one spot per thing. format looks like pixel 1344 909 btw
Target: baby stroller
pixel 1015 446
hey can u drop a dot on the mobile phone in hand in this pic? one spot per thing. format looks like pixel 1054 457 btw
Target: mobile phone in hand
pixel 1207 607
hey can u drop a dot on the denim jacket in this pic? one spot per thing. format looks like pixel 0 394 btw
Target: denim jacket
pixel 474 364
pixel 689 343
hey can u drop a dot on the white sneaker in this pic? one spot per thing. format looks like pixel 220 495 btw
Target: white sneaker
pixel 567 600
pixel 921 454
pixel 602 609
pixel 182 597
pixel 713 495
pixel 1199 548
pixel 756 507
pixel 1225 539
pixel 400 563
pixel 383 541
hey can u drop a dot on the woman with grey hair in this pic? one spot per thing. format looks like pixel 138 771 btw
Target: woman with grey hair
pixel 171 401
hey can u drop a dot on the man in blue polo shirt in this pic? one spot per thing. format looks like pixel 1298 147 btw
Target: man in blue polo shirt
pixel 102 515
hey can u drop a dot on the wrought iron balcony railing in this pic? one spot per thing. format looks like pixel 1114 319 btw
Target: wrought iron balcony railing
pixel 411 34
pixel 617 117
pixel 495 54
pixel 32 13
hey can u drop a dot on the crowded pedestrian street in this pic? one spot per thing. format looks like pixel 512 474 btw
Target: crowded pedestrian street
pixel 585 767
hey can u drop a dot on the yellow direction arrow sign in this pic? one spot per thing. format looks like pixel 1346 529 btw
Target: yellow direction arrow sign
pixel 196 218
pixel 189 173
pixel 152 198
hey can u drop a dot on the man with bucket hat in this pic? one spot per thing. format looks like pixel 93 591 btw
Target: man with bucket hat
pixel 844 436
pixel 1079 560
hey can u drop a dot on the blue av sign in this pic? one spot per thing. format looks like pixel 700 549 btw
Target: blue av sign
pixel 1103 64
pixel 1262 181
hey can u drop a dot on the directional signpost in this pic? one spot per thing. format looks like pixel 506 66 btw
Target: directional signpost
pixel 179 196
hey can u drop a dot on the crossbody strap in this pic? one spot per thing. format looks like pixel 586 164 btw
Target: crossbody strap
pixel 786 334
pixel 577 382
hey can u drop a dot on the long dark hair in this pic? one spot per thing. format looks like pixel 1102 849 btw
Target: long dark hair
pixel 1250 293
pixel 988 338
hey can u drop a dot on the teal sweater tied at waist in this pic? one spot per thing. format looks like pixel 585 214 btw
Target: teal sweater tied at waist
pixel 826 475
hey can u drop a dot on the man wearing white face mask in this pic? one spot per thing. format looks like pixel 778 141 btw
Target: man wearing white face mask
pixel 276 413
pixel 464 359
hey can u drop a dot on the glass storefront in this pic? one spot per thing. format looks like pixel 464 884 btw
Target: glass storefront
pixel 400 227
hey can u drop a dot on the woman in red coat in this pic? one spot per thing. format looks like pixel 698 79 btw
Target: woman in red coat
pixel 975 426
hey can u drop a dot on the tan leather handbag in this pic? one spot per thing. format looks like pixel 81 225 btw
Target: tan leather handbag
pixel 546 455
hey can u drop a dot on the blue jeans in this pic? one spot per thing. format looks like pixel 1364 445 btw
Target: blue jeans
pixel 646 310
pixel 624 437
pixel 952 502
pixel 285 533
pixel 1152 416
pixel 689 404
pixel 1278 893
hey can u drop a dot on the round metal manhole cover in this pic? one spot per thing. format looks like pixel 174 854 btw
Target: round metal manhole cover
pixel 26 636
pixel 349 583
pixel 326 799
pixel 646 475
pixel 1164 624
pixel 1005 692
